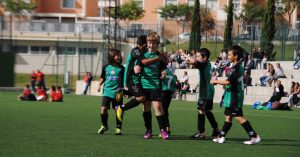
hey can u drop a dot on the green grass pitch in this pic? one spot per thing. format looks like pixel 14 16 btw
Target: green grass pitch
pixel 68 129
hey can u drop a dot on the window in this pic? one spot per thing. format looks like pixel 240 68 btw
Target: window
pixel 35 49
pixel 66 50
pixel 212 3
pixel 237 4
pixel 45 49
pixel 21 49
pixel 88 51
pixel 140 3
pixel 69 4
pixel 170 2
pixel 190 2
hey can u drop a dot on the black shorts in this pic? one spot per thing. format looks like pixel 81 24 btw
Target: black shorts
pixel 107 100
pixel 233 112
pixel 136 90
pixel 204 104
pixel 153 94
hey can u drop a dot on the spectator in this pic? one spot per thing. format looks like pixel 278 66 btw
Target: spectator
pixel 249 64
pixel 297 61
pixel 171 66
pixel 185 78
pixel 264 61
pixel 41 79
pixel 267 73
pixel 33 77
pixel 278 92
pixel 183 90
pixel 26 95
pixel 247 79
pixel 294 96
pixel 279 73
pixel 222 65
pixel 87 82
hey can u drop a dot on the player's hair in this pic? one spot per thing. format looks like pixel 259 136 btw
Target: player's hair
pixel 111 55
pixel 204 52
pixel 153 36
pixel 53 88
pixel 27 85
pixel 237 51
pixel 141 40
pixel 58 87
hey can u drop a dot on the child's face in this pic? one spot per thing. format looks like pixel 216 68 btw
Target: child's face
pixel 232 57
pixel 117 58
pixel 199 57
pixel 152 45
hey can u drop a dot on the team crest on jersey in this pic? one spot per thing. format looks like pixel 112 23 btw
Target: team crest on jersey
pixel 112 72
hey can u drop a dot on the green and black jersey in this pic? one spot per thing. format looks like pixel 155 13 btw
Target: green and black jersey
pixel 169 82
pixel 113 77
pixel 150 75
pixel 206 89
pixel 234 92
pixel 134 58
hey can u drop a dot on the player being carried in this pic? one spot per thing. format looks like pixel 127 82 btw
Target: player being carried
pixel 206 93
pixel 234 97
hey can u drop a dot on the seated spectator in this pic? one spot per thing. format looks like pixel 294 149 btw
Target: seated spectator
pixel 264 80
pixel 294 96
pixel 41 95
pixel 26 95
pixel 279 73
pixel 247 79
pixel 297 61
pixel 278 92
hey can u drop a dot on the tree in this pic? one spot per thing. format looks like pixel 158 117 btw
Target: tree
pixel 128 11
pixel 180 13
pixel 228 27
pixel 207 22
pixel 16 8
pixel 268 30
pixel 251 13
pixel 195 37
pixel 285 25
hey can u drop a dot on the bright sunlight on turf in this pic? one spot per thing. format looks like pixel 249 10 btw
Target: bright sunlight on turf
pixel 68 129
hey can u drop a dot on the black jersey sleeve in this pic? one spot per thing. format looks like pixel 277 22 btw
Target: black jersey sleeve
pixel 121 76
pixel 103 74
pixel 233 74
pixel 137 55
pixel 201 65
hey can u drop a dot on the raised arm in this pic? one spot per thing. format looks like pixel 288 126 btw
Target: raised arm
pixel 190 60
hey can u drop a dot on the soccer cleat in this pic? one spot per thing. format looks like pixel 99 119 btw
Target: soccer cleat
pixel 219 140
pixel 119 114
pixel 164 134
pixel 215 133
pixel 102 129
pixel 148 134
pixel 118 131
pixel 198 135
pixel 253 140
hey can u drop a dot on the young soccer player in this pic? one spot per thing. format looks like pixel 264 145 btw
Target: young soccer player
pixel 132 80
pixel 168 87
pixel 59 94
pixel 26 95
pixel 112 77
pixel 234 97
pixel 41 94
pixel 206 93
pixel 52 94
pixel 151 76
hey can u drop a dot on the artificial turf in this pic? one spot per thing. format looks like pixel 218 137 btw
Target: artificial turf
pixel 68 129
